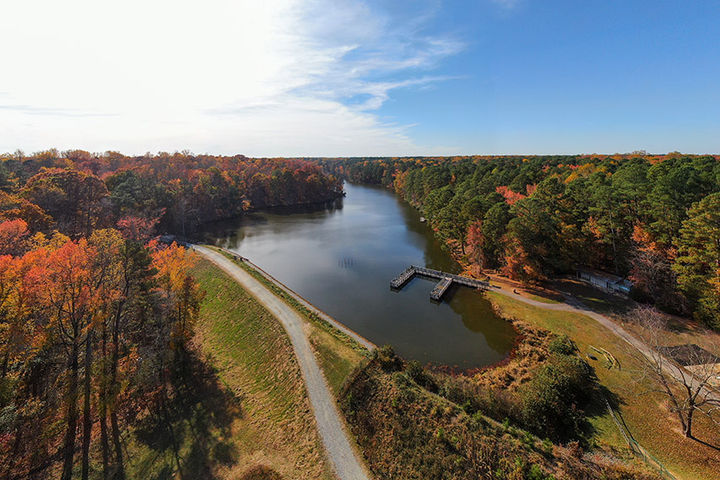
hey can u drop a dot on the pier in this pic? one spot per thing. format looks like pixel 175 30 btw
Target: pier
pixel 446 280
pixel 403 278
pixel 440 289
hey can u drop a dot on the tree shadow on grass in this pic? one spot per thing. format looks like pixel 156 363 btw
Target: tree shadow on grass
pixel 597 406
pixel 189 428
pixel 261 473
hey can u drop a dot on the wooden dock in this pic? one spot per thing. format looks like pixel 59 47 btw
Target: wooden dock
pixel 446 280
pixel 403 278
pixel 440 289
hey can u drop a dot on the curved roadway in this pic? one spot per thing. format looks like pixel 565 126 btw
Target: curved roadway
pixel 574 305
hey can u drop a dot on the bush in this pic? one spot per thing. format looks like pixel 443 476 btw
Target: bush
pixel 551 403
pixel 562 345
pixel 387 359
pixel 536 473
pixel 420 376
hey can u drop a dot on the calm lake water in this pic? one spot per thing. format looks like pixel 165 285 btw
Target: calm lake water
pixel 341 258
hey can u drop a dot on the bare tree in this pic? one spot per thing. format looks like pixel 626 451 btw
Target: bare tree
pixel 683 374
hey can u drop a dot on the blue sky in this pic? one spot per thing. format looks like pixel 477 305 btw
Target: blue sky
pixel 346 78
pixel 568 76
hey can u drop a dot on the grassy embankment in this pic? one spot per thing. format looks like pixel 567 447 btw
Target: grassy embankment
pixel 338 353
pixel 646 416
pixel 250 410
pixel 415 424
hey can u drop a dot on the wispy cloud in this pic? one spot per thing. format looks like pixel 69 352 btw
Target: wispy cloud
pixel 283 77
pixel 60 112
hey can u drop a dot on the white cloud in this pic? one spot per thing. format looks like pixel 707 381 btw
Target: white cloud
pixel 261 78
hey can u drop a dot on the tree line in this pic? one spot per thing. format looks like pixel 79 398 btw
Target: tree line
pixel 77 191
pixel 654 219
pixel 88 327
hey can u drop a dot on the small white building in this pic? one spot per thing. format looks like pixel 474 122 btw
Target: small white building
pixel 605 281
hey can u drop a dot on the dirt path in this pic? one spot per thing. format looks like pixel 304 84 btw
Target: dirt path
pixel 574 305
pixel 332 432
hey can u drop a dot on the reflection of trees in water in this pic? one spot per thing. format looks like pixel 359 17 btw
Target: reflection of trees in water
pixel 478 316
pixel 334 253
pixel 434 255
pixel 230 233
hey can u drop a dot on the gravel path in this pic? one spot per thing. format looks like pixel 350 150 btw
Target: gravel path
pixel 332 432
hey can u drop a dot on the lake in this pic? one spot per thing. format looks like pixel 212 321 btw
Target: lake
pixel 341 258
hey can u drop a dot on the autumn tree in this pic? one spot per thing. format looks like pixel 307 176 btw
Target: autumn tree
pixel 178 287
pixel 69 295
pixel 13 237
pixel 652 274
pixel 74 199
pixel 13 207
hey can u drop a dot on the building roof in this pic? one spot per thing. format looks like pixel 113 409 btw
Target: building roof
pixel 689 354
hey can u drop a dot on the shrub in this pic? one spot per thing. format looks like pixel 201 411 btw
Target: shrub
pixel 387 359
pixel 536 473
pixel 420 376
pixel 550 404
pixel 562 345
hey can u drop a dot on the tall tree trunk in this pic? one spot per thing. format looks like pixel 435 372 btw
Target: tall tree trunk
pixel 87 419
pixel 12 458
pixel 119 468
pixel 5 363
pixel 72 414
pixel 688 426
pixel 102 402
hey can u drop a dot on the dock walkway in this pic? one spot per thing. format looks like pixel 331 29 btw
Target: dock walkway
pixel 440 288
pixel 403 278
pixel 446 280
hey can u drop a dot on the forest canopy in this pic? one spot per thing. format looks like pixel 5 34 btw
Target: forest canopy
pixel 76 191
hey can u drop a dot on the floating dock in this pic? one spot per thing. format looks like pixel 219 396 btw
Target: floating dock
pixel 446 280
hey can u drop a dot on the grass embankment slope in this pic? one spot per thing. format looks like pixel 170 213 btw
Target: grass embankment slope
pixel 410 428
pixel 255 360
pixel 646 415
pixel 256 418
pixel 337 353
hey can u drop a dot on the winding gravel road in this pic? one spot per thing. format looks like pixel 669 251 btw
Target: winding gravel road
pixel 574 305
pixel 339 449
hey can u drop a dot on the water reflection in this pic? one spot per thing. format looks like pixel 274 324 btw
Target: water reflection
pixel 342 256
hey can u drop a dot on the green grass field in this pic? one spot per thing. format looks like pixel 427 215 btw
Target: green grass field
pixel 646 415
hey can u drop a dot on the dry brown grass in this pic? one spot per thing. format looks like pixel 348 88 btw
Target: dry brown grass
pixel 530 350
